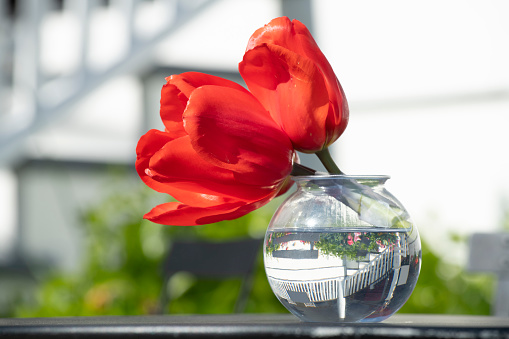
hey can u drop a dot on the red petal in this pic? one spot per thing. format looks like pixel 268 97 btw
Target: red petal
pixel 295 37
pixel 177 159
pixel 189 81
pixel 239 212
pixel 177 214
pixel 148 145
pixel 297 99
pixel 278 31
pixel 292 35
pixel 175 93
pixel 231 129
pixel 188 177
pixel 172 107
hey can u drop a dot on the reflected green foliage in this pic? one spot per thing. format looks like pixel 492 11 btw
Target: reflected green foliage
pixel 353 245
pixel 121 273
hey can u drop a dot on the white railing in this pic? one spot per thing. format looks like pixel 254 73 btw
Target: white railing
pixel 30 96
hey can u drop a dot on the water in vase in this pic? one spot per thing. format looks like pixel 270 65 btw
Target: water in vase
pixel 347 276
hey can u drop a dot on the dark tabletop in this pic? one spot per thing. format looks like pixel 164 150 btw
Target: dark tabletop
pixel 252 326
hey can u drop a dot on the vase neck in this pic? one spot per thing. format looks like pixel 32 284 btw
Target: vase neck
pixel 329 181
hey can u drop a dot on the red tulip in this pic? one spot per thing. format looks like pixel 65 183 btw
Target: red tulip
pixel 286 71
pixel 221 154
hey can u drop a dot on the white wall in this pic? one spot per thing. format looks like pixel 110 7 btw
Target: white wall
pixel 428 86
pixel 427 83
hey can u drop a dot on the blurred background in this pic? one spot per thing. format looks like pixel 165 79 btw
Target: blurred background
pixel 428 89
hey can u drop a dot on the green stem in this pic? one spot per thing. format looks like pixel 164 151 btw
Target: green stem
pixel 328 162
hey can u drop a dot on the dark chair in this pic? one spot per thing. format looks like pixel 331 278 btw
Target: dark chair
pixel 489 253
pixel 218 260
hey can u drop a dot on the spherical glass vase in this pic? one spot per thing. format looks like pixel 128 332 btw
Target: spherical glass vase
pixel 342 249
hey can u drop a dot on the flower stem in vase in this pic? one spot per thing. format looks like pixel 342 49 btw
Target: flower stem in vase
pixel 328 162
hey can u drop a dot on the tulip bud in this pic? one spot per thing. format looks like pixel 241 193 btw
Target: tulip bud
pixel 286 71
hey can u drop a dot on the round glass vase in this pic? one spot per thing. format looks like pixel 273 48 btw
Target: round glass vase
pixel 342 249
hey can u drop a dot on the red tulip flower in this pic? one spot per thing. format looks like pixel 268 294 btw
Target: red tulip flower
pixel 221 154
pixel 286 71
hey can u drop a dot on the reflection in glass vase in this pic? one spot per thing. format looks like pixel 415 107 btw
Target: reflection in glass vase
pixel 345 271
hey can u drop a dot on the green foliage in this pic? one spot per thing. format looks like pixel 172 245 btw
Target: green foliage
pixel 444 288
pixel 121 274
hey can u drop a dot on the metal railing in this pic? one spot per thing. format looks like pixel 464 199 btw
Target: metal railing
pixel 30 96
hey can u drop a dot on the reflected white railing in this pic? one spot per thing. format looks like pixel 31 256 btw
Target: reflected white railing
pixel 377 269
pixel 311 291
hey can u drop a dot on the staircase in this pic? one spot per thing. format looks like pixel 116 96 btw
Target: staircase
pixel 31 96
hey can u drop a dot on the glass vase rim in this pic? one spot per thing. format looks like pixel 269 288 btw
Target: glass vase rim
pixel 324 176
